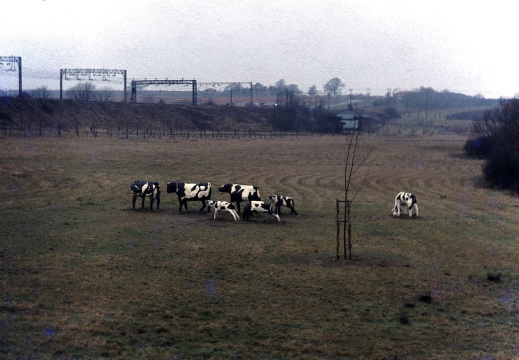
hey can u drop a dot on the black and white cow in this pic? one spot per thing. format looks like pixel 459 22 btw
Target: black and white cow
pixel 190 192
pixel 280 200
pixel 254 207
pixel 407 202
pixel 222 206
pixel 145 188
pixel 241 193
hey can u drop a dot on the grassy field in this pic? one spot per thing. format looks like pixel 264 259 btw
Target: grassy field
pixel 84 276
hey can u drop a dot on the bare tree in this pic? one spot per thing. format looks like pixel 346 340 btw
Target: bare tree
pixel 281 84
pixel 106 93
pixel 334 86
pixel 82 92
pixel 42 93
pixel 312 91
pixel 355 158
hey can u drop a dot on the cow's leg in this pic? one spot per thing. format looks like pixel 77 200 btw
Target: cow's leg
pixel 416 209
pixel 398 208
pixel 203 207
pixel 237 206
pixel 134 198
pixel 158 201
pixel 215 213
pixel 278 208
pixel 275 215
pixel 293 211
pixel 234 214
pixel 143 197
pixel 151 202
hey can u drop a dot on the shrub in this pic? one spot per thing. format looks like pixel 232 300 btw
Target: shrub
pixel 496 138
pixel 502 170
pixel 479 147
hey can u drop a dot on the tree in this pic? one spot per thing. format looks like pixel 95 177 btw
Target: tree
pixel 293 88
pixel 281 84
pixel 495 137
pixel 42 93
pixel 334 86
pixel 106 93
pixel 82 92
pixel 313 90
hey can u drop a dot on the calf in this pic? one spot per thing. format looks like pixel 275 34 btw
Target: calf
pixel 190 192
pixel 222 206
pixel 280 200
pixel 258 207
pixel 241 193
pixel 143 189
pixel 407 201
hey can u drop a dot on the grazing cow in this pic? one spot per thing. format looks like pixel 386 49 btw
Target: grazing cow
pixel 280 200
pixel 190 192
pixel 258 207
pixel 143 189
pixel 407 201
pixel 241 193
pixel 222 206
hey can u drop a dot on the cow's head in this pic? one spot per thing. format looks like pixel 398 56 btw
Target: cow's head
pixel 273 198
pixel 172 187
pixel 225 188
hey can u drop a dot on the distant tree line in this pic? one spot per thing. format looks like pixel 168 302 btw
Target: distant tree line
pixel 495 138
pixel 427 98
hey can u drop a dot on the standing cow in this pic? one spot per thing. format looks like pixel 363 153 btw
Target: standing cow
pixel 280 200
pixel 254 207
pixel 241 193
pixel 222 206
pixel 145 188
pixel 190 192
pixel 407 201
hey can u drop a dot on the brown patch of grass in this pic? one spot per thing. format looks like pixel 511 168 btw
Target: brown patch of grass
pixel 83 275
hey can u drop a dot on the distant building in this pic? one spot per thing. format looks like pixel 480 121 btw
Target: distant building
pixel 350 119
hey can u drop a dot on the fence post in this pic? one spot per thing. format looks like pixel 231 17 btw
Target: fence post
pixel 348 219
pixel 338 229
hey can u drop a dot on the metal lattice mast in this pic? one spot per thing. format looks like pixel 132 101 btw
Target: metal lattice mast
pixel 12 61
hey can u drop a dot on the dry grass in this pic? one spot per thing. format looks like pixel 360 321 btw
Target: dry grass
pixel 84 276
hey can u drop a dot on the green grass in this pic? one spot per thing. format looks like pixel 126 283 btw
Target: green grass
pixel 84 276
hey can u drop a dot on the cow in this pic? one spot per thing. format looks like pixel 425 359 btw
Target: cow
pixel 145 188
pixel 222 206
pixel 190 192
pixel 241 193
pixel 258 207
pixel 407 201
pixel 280 200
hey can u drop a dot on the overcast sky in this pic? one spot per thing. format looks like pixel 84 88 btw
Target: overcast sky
pixel 457 45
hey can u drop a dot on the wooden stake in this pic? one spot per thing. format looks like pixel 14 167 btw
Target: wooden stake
pixel 338 228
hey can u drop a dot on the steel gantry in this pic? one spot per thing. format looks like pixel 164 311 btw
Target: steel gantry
pixel 90 74
pixel 146 82
pixel 12 61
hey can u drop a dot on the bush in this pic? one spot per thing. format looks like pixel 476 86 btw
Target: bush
pixel 502 170
pixel 479 147
pixel 496 138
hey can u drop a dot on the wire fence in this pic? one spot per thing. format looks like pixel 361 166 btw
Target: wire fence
pixel 154 133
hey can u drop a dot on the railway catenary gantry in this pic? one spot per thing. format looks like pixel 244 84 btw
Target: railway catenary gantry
pixel 79 74
pixel 146 82
pixel 11 62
